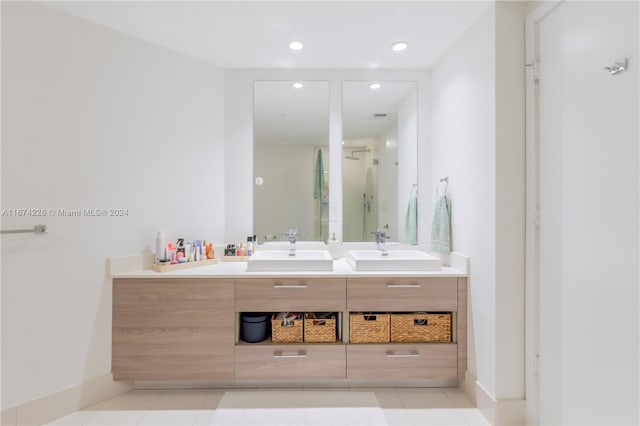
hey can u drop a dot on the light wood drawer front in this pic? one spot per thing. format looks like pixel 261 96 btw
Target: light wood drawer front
pixel 166 303
pixel 405 361
pixel 402 294
pixel 173 367
pixel 290 294
pixel 290 361
pixel 172 341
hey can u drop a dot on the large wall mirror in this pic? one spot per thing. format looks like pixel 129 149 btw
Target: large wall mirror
pixel 379 160
pixel 290 159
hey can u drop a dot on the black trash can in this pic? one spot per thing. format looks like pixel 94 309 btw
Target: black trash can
pixel 254 326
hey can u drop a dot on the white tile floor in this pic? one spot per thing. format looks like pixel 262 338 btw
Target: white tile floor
pixel 401 406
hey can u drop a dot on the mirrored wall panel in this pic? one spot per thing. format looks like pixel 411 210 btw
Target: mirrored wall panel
pixel 291 159
pixel 379 160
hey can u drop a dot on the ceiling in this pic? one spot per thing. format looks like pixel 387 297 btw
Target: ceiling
pixel 337 35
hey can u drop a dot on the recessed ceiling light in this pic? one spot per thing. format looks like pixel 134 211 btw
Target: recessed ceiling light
pixel 399 46
pixel 375 86
pixel 298 85
pixel 296 45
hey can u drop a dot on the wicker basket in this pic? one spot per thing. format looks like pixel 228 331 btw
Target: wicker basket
pixel 368 328
pixel 291 333
pixel 421 328
pixel 319 330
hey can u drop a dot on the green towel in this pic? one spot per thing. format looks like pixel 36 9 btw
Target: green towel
pixel 411 222
pixel 441 227
pixel 318 183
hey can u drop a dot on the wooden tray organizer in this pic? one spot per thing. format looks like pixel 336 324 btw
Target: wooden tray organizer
pixel 186 265
pixel 369 327
pixel 421 327
pixel 319 330
pixel 286 334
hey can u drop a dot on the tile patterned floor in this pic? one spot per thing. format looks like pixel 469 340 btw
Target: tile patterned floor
pixel 401 406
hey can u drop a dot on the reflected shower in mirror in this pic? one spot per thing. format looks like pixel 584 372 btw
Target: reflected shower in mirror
pixel 291 159
pixel 379 161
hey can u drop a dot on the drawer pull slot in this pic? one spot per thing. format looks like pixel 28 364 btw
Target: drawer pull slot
pixel 278 285
pixel 279 354
pixel 412 354
pixel 416 285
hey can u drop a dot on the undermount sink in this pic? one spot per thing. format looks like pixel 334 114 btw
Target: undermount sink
pixel 280 260
pixel 393 260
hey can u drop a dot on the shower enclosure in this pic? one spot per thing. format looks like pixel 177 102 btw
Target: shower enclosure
pixel 360 192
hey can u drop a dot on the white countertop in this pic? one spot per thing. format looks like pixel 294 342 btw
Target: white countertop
pixel 341 268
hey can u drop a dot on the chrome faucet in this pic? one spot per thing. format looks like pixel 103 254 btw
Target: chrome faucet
pixel 292 241
pixel 381 236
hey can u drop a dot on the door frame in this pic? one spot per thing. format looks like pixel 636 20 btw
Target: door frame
pixel 532 174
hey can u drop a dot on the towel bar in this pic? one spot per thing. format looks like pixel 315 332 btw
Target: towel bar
pixel 38 229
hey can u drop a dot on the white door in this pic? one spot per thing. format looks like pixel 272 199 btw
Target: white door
pixel 588 194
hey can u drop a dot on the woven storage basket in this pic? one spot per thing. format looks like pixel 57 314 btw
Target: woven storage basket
pixel 368 328
pixel 286 334
pixel 421 328
pixel 319 330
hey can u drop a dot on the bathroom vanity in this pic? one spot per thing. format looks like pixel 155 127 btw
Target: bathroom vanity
pixel 185 325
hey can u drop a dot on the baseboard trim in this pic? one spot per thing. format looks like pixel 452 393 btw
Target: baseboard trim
pixel 497 412
pixel 59 404
pixel 299 383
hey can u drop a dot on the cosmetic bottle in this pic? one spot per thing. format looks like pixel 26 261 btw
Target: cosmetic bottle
pixel 249 245
pixel 188 252
pixel 180 246
pixel 161 245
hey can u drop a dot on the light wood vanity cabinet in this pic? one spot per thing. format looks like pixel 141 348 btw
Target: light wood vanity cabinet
pixel 188 329
pixel 172 329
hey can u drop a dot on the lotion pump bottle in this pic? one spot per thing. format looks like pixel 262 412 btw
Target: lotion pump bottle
pixel 160 247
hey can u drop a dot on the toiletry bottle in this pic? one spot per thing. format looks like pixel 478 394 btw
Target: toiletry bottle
pixel 249 245
pixel 188 252
pixel 160 247
pixel 180 246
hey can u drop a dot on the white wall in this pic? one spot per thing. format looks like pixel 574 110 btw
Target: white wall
pixel 589 211
pixel 463 148
pixel 93 119
pixel 477 128
pixel 239 138
pixel 510 199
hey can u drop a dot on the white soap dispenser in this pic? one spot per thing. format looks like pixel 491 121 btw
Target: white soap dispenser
pixel 161 244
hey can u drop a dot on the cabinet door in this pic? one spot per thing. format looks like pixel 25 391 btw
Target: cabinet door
pixel 172 329
pixel 402 294
pixel 290 294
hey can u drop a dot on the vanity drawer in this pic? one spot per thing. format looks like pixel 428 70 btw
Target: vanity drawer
pixel 402 294
pixel 290 361
pixel 404 361
pixel 290 294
